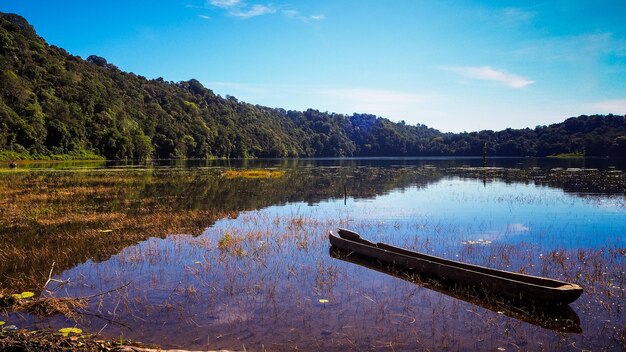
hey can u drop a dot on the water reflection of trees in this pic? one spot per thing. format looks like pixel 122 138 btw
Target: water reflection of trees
pixel 70 217
pixel 579 181
pixel 65 216
pixel 207 190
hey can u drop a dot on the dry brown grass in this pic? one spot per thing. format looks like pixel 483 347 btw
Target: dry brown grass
pixel 45 306
pixel 67 218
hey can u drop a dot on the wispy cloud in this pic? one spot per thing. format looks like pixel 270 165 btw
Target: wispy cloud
pixel 487 73
pixel 253 11
pixel 241 9
pixel 204 17
pixel 616 106
pixel 245 10
pixel 225 4
pixel 293 14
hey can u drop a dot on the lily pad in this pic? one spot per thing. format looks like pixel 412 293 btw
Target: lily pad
pixel 67 331
pixel 23 295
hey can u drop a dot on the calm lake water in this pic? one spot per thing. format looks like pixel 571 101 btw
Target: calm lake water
pixel 161 266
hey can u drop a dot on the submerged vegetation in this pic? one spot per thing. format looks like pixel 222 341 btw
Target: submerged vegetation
pixel 67 217
pixel 56 105
pixel 567 155
pixel 195 249
pixel 253 173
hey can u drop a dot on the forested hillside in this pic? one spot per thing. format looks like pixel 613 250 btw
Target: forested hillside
pixel 54 103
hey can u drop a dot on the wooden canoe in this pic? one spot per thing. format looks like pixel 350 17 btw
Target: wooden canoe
pixel 518 287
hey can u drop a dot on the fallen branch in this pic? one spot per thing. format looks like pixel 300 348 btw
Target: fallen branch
pixel 50 279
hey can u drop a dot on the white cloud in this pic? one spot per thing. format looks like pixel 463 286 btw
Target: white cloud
pixel 204 17
pixel 225 4
pixel 616 106
pixel 241 9
pixel 293 14
pixel 255 10
pixel 244 10
pixel 487 73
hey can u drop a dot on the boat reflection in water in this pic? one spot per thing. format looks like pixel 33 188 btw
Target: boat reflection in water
pixel 560 318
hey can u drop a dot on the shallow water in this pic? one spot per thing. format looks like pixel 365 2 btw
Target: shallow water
pixel 264 279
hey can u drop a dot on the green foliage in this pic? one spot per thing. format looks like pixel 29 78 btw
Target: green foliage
pixel 76 155
pixel 57 106
pixel 191 105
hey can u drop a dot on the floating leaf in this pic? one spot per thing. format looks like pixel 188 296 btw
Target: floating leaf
pixel 23 295
pixel 2 322
pixel 67 331
pixel 323 300
pixel 105 231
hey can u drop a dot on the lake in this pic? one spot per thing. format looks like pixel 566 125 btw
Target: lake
pixel 186 255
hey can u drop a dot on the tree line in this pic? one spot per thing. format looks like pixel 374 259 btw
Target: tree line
pixel 54 103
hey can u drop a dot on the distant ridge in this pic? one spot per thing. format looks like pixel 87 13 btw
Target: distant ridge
pixel 53 103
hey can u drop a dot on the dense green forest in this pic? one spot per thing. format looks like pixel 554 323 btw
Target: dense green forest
pixel 54 103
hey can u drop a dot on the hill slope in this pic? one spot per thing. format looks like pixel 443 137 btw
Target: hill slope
pixel 54 103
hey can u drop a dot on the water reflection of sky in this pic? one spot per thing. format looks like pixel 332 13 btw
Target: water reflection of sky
pixel 470 210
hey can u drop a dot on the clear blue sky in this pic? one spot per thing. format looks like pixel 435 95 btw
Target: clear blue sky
pixel 452 65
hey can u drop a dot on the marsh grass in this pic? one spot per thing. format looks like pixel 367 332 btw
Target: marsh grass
pixel 283 295
pixel 206 274
pixel 45 306
pixel 67 218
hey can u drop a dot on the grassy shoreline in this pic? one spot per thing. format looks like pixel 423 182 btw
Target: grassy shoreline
pixel 7 155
